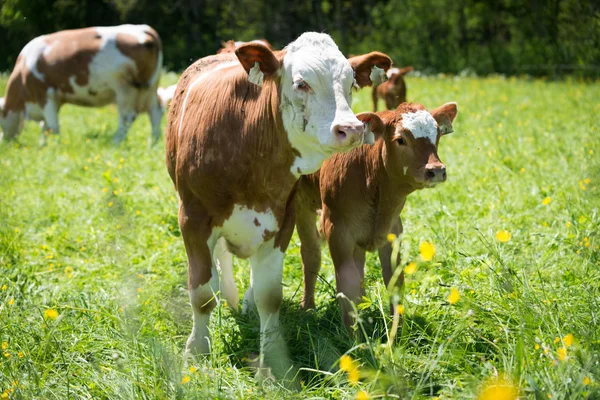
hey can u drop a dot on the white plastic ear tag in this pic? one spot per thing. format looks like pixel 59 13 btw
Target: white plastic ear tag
pixel 369 135
pixel 255 75
pixel 446 127
pixel 377 75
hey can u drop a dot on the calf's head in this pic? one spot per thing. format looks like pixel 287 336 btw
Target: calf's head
pixel 411 136
pixel 315 86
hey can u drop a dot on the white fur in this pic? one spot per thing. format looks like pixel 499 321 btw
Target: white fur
pixel 241 231
pixel 32 52
pixel 198 80
pixel 421 124
pixel 166 94
pixel 110 32
pixel 377 76
pixel 390 72
pixel 309 118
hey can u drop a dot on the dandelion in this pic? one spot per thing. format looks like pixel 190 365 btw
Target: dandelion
pixel 121 160
pixel 140 290
pixel 16 230
pixel 427 251
pixel 546 201
pixel 411 268
pixel 4 395
pixel 51 314
pixel 4 287
pixel 591 152
pixel 522 170
pixel 454 296
pixel 568 340
pixel 499 389
pixel 346 363
pixel 21 354
pixel 562 353
pixel 6 354
pixel 11 301
pixel 537 346
pixel 137 212
pixel 110 203
pixel 587 380
pixel 362 395
pixel 556 339
pixel 116 180
pixel 503 236
pixel 400 309
pixel 391 237
pixel 568 224
pixel 4 345
pixel 185 379
pixel 192 369
pixel 353 376
pixel 581 185
pixel 105 190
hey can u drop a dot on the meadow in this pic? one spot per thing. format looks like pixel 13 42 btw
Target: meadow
pixel 93 272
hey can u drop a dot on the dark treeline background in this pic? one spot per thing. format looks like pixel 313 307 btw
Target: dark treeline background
pixel 540 37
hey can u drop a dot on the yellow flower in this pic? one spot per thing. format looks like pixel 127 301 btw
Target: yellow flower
pixel 21 354
pixel 346 363
pixel 4 345
pixel 587 380
pixel 546 201
pixel 11 301
pixel 6 354
pixel 3 287
pixel 104 190
pixel 391 237
pixel 568 340
pixel 499 389
pixel 581 219
pixel 503 236
pixel 362 395
pixel 400 309
pixel 353 376
pixel 411 268
pixel 192 369
pixel 4 395
pixel 522 170
pixel 562 353
pixel 427 251
pixel 110 203
pixel 556 339
pixel 537 346
pixel 137 212
pixel 51 313
pixel 454 296
pixel 185 379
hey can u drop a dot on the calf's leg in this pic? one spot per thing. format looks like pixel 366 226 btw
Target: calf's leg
pixel 310 251
pixel 348 275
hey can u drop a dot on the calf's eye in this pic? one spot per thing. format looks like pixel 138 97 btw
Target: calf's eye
pixel 401 141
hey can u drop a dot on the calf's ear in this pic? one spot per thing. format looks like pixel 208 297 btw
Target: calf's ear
pixel 258 61
pixel 369 69
pixel 444 115
pixel 374 126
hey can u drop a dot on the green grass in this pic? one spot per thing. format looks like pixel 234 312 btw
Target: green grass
pixel 90 230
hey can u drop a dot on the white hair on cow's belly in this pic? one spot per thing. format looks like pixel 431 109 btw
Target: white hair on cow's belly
pixel 32 52
pixel 421 124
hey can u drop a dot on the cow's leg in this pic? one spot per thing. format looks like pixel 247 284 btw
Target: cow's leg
pixel 347 274
pixel 50 122
pixel 126 99
pixel 389 266
pixel 203 279
pixel 225 264
pixel 156 113
pixel 267 266
pixel 359 262
pixel 310 250
pixel 374 97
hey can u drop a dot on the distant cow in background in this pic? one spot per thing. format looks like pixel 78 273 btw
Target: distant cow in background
pixel 88 67
pixel 393 91
pixel 361 194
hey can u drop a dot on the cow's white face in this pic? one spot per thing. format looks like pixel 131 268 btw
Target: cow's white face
pixel 316 93
pixel 11 122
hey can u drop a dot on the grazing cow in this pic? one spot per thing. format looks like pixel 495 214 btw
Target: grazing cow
pixel 165 95
pixel 393 92
pixel 242 128
pixel 88 67
pixel 361 194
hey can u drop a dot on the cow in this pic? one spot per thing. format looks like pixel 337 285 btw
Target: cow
pixel 361 195
pixel 230 45
pixel 393 92
pixel 242 128
pixel 88 67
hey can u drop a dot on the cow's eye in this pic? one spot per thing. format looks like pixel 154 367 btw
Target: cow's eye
pixel 302 86
pixel 401 141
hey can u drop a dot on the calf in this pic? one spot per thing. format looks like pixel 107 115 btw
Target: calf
pixel 87 67
pixel 393 92
pixel 362 193
pixel 242 128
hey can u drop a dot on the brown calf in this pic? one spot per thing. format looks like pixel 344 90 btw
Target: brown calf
pixel 242 128
pixel 87 67
pixel 393 91
pixel 361 194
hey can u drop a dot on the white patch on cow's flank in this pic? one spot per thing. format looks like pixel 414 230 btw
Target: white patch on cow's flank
pixel 421 124
pixel 32 53
pixel 199 79
pixel 111 32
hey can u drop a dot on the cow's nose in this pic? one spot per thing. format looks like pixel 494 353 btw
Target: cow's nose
pixel 348 133
pixel 435 172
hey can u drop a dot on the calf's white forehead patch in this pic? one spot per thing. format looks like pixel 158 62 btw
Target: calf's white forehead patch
pixel 421 124
pixel 390 72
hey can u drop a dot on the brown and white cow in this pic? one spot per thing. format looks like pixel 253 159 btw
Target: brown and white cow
pixel 393 91
pixel 361 194
pixel 87 67
pixel 242 128
pixel 230 45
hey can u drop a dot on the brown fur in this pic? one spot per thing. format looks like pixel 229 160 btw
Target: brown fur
pixel 229 46
pixel 362 66
pixel 144 55
pixel 393 91
pixel 361 194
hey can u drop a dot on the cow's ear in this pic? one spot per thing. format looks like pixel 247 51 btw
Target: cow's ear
pixel 444 115
pixel 406 70
pixel 258 61
pixel 369 69
pixel 374 126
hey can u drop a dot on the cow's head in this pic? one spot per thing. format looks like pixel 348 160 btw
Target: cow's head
pixel 411 135
pixel 315 85
pixel 11 122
